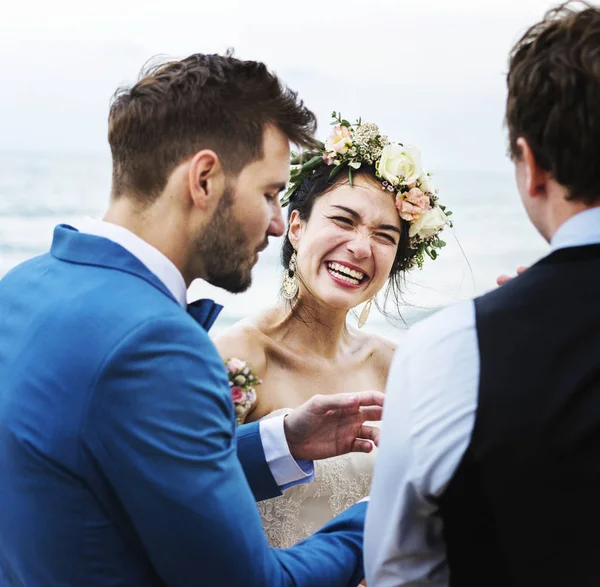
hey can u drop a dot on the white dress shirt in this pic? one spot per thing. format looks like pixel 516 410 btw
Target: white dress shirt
pixel 428 420
pixel 285 470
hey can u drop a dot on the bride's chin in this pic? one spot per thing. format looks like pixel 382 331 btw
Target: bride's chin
pixel 335 298
pixel 340 303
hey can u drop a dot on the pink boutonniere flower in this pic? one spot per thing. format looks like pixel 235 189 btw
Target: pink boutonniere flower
pixel 242 383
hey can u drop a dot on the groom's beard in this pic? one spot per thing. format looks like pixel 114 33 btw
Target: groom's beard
pixel 225 250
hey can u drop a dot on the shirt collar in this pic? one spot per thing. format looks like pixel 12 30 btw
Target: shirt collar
pixel 579 230
pixel 150 256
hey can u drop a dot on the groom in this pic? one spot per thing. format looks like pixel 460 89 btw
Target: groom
pixel 119 462
pixel 489 468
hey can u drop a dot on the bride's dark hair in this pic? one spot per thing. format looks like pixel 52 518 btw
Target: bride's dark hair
pixel 318 184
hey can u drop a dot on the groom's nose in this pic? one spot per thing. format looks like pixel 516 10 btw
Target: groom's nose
pixel 276 225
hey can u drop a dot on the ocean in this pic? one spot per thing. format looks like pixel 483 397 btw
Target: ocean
pixel 491 235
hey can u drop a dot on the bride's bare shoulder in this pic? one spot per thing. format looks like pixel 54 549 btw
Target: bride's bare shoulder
pixel 244 340
pixel 381 352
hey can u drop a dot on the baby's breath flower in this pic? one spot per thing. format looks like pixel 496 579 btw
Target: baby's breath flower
pixel 365 133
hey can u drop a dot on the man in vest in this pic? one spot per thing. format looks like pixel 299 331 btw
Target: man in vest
pixel 489 468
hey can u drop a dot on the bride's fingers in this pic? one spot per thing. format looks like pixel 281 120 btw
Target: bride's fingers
pixel 502 279
pixel 371 433
pixel 360 445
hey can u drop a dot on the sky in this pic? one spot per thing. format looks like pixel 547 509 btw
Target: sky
pixel 429 72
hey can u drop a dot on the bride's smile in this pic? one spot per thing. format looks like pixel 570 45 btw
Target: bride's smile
pixel 346 274
pixel 346 249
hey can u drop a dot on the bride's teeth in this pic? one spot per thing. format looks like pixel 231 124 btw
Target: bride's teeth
pixel 332 268
pixel 358 275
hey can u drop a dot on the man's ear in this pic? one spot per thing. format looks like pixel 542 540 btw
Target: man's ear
pixel 206 179
pixel 296 228
pixel 536 178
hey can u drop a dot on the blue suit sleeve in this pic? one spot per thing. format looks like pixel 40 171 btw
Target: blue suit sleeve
pixel 252 458
pixel 161 429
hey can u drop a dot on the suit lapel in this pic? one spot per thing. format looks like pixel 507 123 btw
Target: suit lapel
pixel 73 246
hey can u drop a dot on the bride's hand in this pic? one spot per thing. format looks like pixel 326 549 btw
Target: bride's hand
pixel 502 279
pixel 331 425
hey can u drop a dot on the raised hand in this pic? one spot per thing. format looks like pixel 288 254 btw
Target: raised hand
pixel 502 279
pixel 331 425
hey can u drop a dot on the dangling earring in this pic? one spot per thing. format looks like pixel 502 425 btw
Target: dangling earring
pixel 362 320
pixel 290 285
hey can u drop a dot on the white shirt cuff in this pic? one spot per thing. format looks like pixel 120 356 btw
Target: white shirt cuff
pixel 285 470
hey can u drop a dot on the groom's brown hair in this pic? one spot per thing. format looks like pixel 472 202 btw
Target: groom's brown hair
pixel 554 97
pixel 213 102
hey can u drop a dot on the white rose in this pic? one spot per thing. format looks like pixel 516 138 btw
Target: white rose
pixel 399 165
pixel 428 223
pixel 425 184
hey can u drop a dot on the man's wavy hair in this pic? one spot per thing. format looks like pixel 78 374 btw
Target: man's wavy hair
pixel 203 101
pixel 554 97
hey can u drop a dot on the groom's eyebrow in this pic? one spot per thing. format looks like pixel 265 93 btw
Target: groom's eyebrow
pixel 277 185
pixel 356 216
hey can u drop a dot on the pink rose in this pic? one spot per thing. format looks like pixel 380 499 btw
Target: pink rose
pixel 408 211
pixel 235 365
pixel 237 394
pixel 412 205
pixel 418 198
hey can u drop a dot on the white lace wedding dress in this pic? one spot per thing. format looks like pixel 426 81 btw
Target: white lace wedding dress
pixel 304 509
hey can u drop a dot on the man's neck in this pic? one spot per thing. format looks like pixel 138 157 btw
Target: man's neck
pixel 560 211
pixel 158 227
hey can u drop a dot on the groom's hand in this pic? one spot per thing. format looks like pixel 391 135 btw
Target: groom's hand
pixel 331 425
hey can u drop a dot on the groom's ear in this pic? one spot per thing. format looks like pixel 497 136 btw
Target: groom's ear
pixel 206 179
pixel 296 227
pixel 536 178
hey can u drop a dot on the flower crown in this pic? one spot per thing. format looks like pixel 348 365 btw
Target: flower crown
pixel 351 146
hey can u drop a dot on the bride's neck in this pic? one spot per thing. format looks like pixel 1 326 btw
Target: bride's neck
pixel 311 327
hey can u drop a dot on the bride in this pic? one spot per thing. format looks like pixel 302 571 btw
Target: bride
pixel 361 213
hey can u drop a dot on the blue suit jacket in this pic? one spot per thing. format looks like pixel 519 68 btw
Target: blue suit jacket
pixel 119 463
